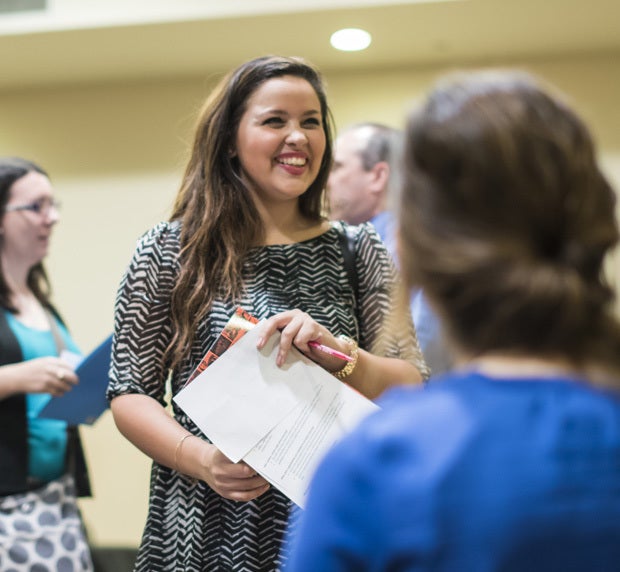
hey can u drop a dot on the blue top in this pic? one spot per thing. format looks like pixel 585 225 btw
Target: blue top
pixel 471 474
pixel 385 225
pixel 427 325
pixel 47 438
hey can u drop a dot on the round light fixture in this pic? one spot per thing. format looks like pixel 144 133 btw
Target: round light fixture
pixel 350 39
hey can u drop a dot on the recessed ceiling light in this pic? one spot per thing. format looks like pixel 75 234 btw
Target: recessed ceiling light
pixel 350 39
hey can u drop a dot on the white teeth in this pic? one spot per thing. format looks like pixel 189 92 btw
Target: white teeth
pixel 295 161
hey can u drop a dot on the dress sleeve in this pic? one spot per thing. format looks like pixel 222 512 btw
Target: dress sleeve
pixel 142 328
pixel 386 327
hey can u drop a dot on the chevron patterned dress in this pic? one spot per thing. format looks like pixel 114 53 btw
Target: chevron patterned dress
pixel 189 527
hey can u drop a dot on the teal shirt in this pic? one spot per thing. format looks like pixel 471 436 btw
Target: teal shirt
pixel 47 438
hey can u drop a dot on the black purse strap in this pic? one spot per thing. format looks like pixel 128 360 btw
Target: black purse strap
pixel 347 245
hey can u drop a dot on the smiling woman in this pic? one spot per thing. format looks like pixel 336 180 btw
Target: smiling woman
pixel 247 230
pixel 280 144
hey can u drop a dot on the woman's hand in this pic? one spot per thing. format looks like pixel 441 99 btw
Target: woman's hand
pixel 234 481
pixel 41 375
pixel 297 329
pixel 154 431
pixel 371 375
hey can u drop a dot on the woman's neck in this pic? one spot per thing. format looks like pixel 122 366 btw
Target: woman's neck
pixel 28 308
pixel 522 366
pixel 280 235
pixel 16 276
pixel 286 225
pixel 502 366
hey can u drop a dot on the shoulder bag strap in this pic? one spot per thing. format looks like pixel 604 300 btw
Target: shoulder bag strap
pixel 58 339
pixel 347 245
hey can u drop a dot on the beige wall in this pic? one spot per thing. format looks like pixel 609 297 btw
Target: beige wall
pixel 115 153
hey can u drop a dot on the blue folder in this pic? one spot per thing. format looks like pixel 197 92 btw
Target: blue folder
pixel 86 401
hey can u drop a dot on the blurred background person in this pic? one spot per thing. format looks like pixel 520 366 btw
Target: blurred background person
pixel 41 460
pixel 363 182
pixel 512 462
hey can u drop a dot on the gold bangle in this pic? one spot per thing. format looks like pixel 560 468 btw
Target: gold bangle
pixel 177 451
pixel 348 368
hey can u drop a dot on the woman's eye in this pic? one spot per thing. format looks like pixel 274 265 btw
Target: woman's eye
pixel 312 122
pixel 273 121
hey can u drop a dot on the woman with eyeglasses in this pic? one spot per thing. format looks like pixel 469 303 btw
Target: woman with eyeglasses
pixel 42 466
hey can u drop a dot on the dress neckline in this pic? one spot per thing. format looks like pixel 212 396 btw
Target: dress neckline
pixel 318 238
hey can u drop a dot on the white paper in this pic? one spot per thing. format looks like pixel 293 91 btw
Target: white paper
pixel 288 456
pixel 280 421
pixel 242 395
pixel 71 358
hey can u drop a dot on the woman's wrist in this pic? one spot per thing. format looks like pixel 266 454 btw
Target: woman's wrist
pixel 178 451
pixel 353 352
pixel 186 453
pixel 9 381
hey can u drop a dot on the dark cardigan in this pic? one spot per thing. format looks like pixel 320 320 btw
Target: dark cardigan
pixel 14 431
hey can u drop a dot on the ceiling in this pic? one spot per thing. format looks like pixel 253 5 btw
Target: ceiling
pixel 76 42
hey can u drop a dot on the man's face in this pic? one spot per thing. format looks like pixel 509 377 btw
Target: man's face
pixel 349 192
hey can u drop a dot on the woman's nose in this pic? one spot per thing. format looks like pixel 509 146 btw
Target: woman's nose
pixel 296 135
pixel 52 216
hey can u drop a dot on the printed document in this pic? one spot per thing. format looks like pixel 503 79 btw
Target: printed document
pixel 279 420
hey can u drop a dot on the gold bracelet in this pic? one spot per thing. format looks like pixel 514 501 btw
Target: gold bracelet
pixel 177 451
pixel 348 368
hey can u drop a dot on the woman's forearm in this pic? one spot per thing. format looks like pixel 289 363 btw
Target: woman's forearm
pixel 374 374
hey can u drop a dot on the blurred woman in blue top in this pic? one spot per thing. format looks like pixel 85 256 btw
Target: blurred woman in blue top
pixel 512 461
pixel 34 451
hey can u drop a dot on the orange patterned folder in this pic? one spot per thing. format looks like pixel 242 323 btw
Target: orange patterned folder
pixel 240 322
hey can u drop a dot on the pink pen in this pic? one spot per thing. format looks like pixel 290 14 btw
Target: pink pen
pixel 330 351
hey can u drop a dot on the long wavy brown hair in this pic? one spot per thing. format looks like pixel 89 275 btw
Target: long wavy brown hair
pixel 506 219
pixel 219 221
pixel 11 170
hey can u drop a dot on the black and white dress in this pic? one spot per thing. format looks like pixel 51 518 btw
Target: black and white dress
pixel 190 528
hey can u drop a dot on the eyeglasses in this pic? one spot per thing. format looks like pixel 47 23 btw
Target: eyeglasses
pixel 40 207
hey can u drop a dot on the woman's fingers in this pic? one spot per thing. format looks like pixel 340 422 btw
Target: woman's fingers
pixel 60 377
pixel 248 495
pixel 296 329
pixel 274 324
pixel 237 481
